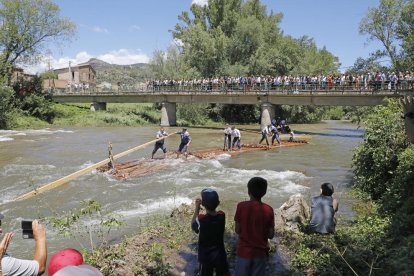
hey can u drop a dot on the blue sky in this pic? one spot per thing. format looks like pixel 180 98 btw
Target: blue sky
pixel 128 31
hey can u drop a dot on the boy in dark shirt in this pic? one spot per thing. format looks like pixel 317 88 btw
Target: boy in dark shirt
pixel 255 224
pixel 210 228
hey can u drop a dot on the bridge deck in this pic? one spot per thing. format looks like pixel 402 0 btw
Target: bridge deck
pixel 288 97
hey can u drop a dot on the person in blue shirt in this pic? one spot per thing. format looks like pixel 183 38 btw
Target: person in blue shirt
pixel 185 143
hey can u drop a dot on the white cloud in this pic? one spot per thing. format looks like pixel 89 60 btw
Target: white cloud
pixel 120 57
pixel 200 2
pixel 98 29
pixel 124 57
pixel 135 28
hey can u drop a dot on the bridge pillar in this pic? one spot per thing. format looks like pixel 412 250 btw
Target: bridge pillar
pixel 268 113
pixel 168 114
pixel 96 106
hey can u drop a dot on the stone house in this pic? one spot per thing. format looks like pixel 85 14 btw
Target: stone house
pixel 74 78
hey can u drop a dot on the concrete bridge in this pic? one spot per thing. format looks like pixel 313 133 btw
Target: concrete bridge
pixel 267 99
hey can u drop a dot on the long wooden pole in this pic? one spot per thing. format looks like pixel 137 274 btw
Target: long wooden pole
pixel 90 168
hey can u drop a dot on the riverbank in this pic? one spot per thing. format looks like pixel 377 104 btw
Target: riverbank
pixel 80 115
pixel 167 246
pixel 143 114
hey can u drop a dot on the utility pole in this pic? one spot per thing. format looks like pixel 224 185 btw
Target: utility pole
pixel 48 62
pixel 70 77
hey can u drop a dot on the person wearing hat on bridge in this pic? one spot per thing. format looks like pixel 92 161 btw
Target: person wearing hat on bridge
pixel 13 266
pixel 185 143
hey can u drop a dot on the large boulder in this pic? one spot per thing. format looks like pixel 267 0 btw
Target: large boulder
pixel 293 215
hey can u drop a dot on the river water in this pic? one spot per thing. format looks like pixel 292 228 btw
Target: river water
pixel 31 158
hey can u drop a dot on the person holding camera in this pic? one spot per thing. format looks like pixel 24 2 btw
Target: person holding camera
pixel 14 266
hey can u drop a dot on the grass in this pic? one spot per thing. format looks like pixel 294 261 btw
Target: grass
pixel 79 115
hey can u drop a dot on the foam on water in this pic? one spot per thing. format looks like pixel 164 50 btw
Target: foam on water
pixel 152 206
pixel 5 139
pixel 7 135
pixel 212 173
pixel 18 169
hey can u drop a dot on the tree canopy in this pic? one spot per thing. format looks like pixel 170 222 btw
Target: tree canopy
pixel 234 37
pixel 392 24
pixel 26 26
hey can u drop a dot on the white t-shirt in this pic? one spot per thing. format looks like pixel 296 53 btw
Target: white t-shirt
pixel 227 131
pixel 18 267
pixel 236 133
pixel 265 130
pixel 161 134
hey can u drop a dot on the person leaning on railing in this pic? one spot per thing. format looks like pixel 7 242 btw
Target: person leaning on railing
pixel 375 81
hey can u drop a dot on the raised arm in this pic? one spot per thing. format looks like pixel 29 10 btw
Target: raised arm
pixel 40 254
pixel 3 247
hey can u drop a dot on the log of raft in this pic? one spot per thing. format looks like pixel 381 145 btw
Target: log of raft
pixel 142 167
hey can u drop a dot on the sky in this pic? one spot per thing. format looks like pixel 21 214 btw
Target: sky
pixel 129 31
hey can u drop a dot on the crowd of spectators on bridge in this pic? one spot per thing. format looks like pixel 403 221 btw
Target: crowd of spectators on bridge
pixel 373 81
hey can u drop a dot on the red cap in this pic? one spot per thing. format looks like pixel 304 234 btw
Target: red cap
pixel 65 257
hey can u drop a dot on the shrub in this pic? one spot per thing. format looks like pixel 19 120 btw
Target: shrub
pixel 375 161
pixel 6 107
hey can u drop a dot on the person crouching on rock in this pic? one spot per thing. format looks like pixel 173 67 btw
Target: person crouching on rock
pixel 210 229
pixel 185 143
pixel 323 210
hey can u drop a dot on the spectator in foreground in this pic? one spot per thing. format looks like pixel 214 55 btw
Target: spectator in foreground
pixel 255 224
pixel 323 210
pixel 69 262
pixel 210 229
pixel 13 266
pixel 407 104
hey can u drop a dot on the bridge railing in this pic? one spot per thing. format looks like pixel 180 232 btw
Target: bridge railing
pixel 285 88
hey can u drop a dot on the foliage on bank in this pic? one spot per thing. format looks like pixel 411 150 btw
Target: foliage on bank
pixel 380 240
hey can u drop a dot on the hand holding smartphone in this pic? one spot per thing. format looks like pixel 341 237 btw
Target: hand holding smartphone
pixel 27 229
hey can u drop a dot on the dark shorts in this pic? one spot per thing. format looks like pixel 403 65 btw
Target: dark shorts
pixel 211 260
pixel 250 267
pixel 182 148
pixel 159 146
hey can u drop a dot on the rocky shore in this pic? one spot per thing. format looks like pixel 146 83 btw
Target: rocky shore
pixel 167 245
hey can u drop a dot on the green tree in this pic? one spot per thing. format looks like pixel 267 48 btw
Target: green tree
pixel 170 64
pixel 313 60
pixel 26 28
pixel 233 37
pixel 381 24
pixel 405 32
pixel 32 101
pixel 6 107
pixel 376 160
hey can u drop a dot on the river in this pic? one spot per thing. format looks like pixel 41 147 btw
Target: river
pixel 31 158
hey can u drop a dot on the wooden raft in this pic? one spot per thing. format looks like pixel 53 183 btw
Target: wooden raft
pixel 136 168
